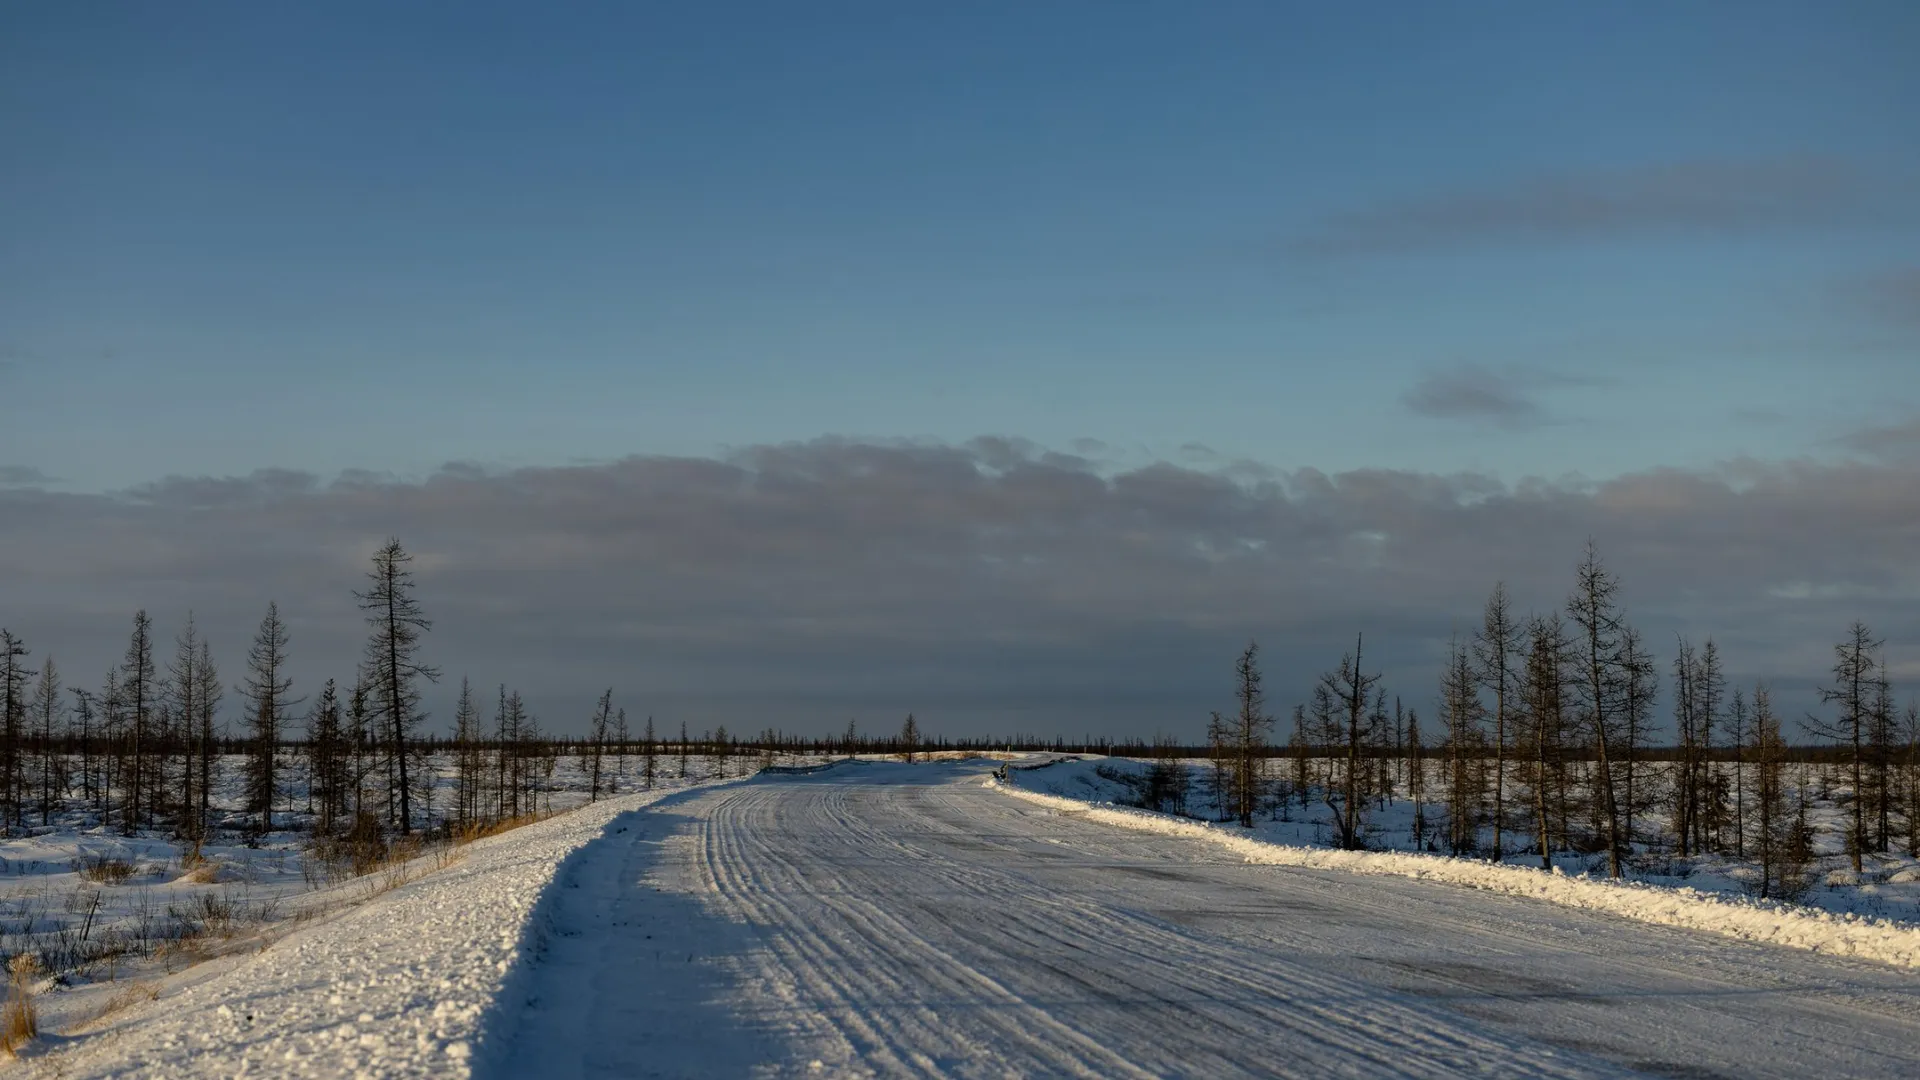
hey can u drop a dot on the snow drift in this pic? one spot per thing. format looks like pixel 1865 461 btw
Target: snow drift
pixel 399 986
pixel 1747 919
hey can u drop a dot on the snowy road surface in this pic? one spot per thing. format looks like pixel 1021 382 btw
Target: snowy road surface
pixel 894 920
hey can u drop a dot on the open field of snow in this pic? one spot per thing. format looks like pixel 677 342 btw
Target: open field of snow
pixel 878 919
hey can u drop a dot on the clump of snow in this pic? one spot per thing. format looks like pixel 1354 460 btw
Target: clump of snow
pixel 1748 919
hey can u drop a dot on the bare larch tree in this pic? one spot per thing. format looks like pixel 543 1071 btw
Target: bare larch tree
pixel 393 665
pixel 1352 689
pixel 138 697
pixel 1496 650
pixel 1595 611
pixel 1852 692
pixel 267 691
pixel 1243 738
pixel 14 674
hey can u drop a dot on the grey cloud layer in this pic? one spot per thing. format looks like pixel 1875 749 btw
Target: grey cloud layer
pixel 1703 195
pixel 1508 398
pixel 23 476
pixel 1889 442
pixel 991 586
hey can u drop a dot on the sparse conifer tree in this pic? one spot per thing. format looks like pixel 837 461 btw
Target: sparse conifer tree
pixel 469 759
pixel 14 674
pixel 1417 780
pixel 1852 692
pixel 647 754
pixel 206 709
pixel 1595 612
pixel 1773 822
pixel 909 738
pixel 1496 652
pixel 394 666
pixel 621 738
pixel 1461 707
pixel 1542 695
pixel 1341 699
pixel 328 756
pixel 1241 739
pixel 267 691
pixel 599 729
pixel 48 717
pixel 139 697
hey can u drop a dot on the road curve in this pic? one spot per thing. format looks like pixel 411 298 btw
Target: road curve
pixel 891 920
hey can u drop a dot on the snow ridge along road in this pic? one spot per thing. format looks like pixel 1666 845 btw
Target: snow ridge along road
pixel 1750 920
pixel 402 985
pixel 892 920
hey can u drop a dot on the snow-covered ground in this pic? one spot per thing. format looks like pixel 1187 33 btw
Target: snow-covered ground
pixel 113 918
pixel 398 985
pixel 1888 890
pixel 883 919
pixel 1884 940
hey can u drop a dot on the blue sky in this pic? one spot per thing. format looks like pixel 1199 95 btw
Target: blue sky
pixel 349 236
pixel 734 303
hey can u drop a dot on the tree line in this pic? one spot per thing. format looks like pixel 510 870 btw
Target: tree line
pixel 144 749
pixel 1544 745
pixel 148 747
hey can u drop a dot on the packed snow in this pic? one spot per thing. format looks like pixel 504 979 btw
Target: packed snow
pixel 888 919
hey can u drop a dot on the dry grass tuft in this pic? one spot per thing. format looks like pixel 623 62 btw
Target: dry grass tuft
pixel 20 1023
pixel 206 873
pixel 103 869
pixel 126 997
pixel 481 830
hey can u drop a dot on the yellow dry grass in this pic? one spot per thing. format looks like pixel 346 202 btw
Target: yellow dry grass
pixel 20 1023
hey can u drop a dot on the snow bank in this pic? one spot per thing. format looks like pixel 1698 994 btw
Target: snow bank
pixel 396 987
pixel 1739 917
pixel 803 770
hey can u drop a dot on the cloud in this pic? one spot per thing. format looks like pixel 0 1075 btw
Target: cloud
pixel 1699 196
pixel 1892 295
pixel 1887 442
pixel 1759 417
pixel 24 475
pixel 989 587
pixel 1506 398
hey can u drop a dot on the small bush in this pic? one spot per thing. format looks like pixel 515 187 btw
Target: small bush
pixel 103 869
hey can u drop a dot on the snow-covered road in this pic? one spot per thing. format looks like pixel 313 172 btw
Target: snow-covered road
pixel 892 920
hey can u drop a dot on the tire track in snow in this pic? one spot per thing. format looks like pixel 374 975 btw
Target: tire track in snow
pixel 1187 1019
pixel 903 921
pixel 881 974
pixel 1179 975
